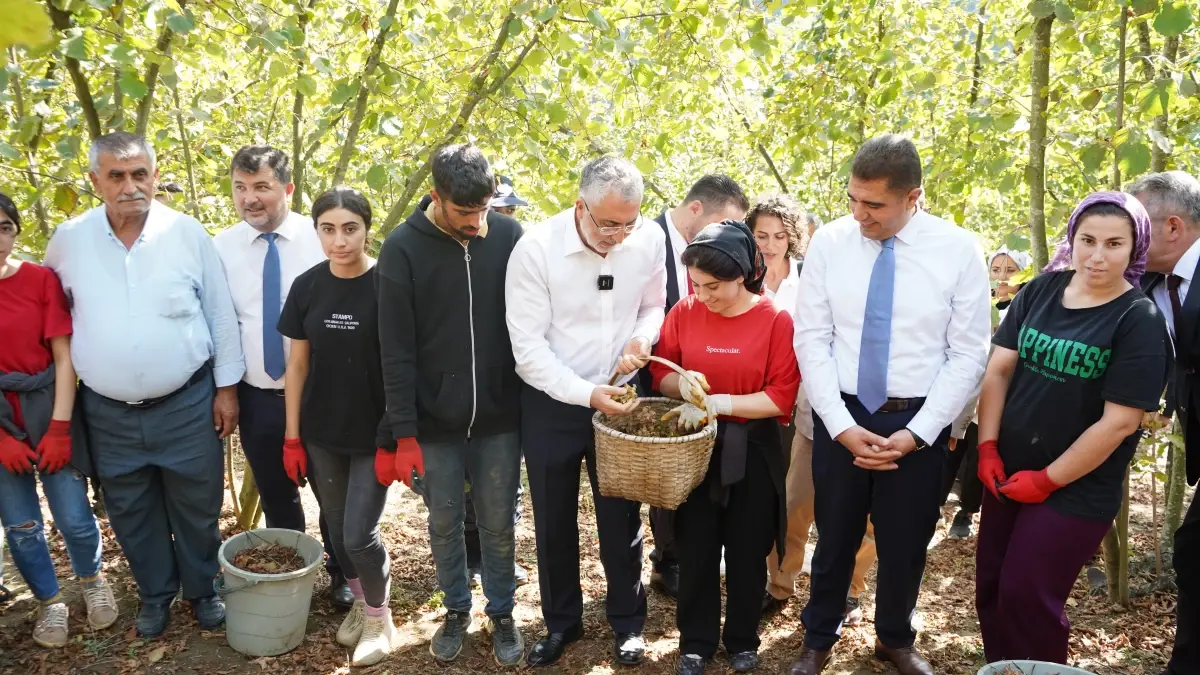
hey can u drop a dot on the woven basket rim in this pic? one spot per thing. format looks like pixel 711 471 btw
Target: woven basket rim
pixel 709 430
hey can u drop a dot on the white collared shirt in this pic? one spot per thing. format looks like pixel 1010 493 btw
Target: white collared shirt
pixel 785 299
pixel 1184 269
pixel 678 243
pixel 941 319
pixel 145 318
pixel 566 334
pixel 243 251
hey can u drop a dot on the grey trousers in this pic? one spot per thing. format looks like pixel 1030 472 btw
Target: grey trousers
pixel 162 473
pixel 352 502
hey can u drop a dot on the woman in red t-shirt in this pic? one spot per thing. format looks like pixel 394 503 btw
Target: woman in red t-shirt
pixel 37 381
pixel 742 344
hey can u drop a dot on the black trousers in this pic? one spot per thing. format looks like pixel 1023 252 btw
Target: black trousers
pixel 963 464
pixel 261 426
pixel 903 504
pixel 557 438
pixel 745 526
pixel 471 527
pixel 1185 657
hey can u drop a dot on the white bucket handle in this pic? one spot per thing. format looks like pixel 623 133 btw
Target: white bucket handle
pixel 222 590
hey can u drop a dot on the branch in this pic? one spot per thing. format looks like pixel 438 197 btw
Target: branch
pixel 360 105
pixel 62 23
pixel 56 179
pixel 298 159
pixel 163 46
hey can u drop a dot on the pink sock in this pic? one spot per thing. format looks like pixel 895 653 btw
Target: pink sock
pixel 377 611
pixel 355 588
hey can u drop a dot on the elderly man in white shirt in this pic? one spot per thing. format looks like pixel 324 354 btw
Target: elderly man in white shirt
pixel 585 293
pixel 263 255
pixel 892 329
pixel 156 347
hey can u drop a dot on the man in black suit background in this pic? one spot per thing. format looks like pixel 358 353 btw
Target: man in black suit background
pixel 1173 200
pixel 713 198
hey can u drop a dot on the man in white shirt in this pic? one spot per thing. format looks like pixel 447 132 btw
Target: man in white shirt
pixel 263 255
pixel 1173 202
pixel 892 329
pixel 712 199
pixel 584 293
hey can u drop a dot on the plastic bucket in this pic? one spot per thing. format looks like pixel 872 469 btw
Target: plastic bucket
pixel 267 614
pixel 1030 668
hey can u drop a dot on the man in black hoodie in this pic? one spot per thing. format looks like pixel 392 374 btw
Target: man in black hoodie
pixel 452 388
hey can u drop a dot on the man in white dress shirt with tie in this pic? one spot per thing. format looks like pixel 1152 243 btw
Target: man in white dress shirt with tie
pixel 585 291
pixel 263 255
pixel 1172 199
pixel 156 347
pixel 892 329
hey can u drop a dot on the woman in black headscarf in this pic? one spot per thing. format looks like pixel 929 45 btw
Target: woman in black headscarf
pixel 742 344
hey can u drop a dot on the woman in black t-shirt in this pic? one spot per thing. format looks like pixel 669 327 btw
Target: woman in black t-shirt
pixel 1078 358
pixel 335 404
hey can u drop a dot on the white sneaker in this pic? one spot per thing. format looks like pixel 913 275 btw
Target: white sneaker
pixel 51 627
pixel 352 626
pixel 101 605
pixel 378 639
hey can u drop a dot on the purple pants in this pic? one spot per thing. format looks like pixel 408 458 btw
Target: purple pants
pixel 1027 560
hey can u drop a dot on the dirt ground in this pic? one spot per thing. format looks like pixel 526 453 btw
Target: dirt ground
pixel 1105 639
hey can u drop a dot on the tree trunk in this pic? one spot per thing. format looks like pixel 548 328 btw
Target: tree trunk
pixel 1159 155
pixel 298 159
pixel 39 205
pixel 478 90
pixel 1120 116
pixel 117 121
pixel 163 47
pixel 62 22
pixel 187 156
pixel 364 91
pixel 1037 140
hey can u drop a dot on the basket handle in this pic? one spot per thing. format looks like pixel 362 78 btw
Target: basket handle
pixel 682 373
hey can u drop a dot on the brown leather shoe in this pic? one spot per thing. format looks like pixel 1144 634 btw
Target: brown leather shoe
pixel 908 661
pixel 811 662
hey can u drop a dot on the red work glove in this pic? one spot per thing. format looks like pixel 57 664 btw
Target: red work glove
pixel 15 455
pixel 991 467
pixel 408 460
pixel 295 461
pixel 1029 487
pixel 55 447
pixel 385 466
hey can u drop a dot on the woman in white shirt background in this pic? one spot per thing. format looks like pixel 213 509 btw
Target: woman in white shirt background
pixel 782 231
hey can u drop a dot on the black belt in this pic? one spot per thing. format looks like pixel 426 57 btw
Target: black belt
pixel 274 392
pixel 892 404
pixel 196 378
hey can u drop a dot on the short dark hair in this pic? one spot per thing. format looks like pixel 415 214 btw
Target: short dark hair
pixel 461 174
pixel 719 265
pixel 715 190
pixel 10 209
pixel 343 198
pixel 889 156
pixel 169 188
pixel 250 159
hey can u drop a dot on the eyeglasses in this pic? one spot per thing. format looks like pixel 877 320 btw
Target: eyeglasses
pixel 607 231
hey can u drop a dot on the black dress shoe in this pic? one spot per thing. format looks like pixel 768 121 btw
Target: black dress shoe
pixel 209 612
pixel 629 648
pixel 690 664
pixel 340 594
pixel 550 648
pixel 152 619
pixel 744 662
pixel 772 605
pixel 665 578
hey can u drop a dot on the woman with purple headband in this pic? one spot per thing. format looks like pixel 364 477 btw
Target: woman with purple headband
pixel 1079 356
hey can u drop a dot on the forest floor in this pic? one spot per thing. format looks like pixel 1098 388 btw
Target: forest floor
pixel 1105 638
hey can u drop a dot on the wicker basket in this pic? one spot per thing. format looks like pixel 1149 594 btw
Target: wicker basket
pixel 660 472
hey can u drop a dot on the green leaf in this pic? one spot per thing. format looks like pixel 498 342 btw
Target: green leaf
pixel 123 54
pixel 180 23
pixel 1174 17
pixel 1187 86
pixel 306 85
pixel 1157 99
pixel 1134 158
pixel 132 85
pixel 377 177
pixel 645 163
pixel 691 23
pixel 1141 7
pixel 522 8
pixel 8 152
pixel 1093 156
pixel 277 69
pixel 1063 13
pixel 1041 9
pixel 1016 242
pixel 923 81
pixel 387 22
pixel 76 48
pixel 1090 100
pixel 25 23
pixel 66 198
pixel 597 20
pixel 557 113
pixel 547 13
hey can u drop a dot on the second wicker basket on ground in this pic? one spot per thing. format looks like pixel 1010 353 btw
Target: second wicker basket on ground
pixel 656 471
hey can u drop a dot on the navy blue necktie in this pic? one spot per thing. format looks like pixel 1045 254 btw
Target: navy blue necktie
pixel 273 358
pixel 877 330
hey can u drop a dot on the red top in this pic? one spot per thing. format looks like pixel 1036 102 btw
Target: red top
pixel 742 354
pixel 33 309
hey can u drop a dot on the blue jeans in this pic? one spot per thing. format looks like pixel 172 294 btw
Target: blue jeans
pixel 494 465
pixel 21 514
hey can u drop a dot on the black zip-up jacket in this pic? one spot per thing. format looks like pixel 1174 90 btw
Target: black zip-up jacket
pixel 448 367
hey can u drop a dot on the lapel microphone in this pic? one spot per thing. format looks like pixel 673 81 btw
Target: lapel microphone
pixel 604 282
